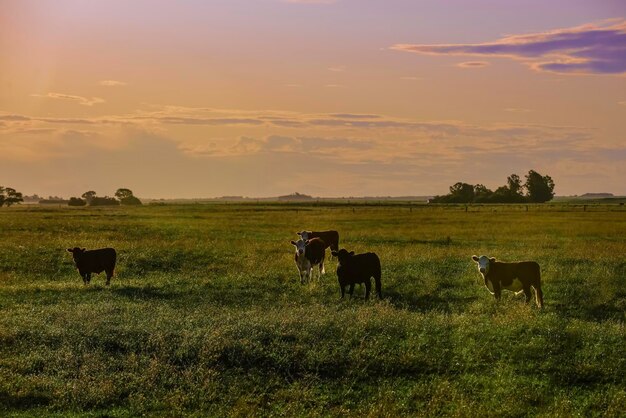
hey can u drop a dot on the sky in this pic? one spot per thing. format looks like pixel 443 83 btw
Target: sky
pixel 191 99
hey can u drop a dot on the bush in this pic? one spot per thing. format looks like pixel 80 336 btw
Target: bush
pixel 76 201
pixel 104 201
pixel 130 201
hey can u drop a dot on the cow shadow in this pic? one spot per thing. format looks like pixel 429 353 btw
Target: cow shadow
pixel 145 293
pixel 23 402
pixel 435 301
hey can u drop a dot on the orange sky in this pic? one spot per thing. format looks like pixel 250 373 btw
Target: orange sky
pixel 329 98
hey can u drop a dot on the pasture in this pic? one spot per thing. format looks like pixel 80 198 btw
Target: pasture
pixel 206 314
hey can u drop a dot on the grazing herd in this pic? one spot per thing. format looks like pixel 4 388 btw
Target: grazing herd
pixel 352 269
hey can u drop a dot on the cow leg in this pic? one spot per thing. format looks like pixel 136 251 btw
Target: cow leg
pixel 368 287
pixel 343 290
pixel 351 290
pixel 497 290
pixel 539 296
pixel 527 293
pixel 85 278
pixel 109 275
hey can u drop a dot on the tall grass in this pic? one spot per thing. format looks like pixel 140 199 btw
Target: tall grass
pixel 206 314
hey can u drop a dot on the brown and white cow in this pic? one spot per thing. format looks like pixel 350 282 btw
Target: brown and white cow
pixel 517 277
pixel 308 254
pixel 330 238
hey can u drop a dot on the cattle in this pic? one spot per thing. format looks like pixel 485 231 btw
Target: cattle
pixel 308 254
pixel 517 277
pixel 358 268
pixel 331 238
pixel 94 261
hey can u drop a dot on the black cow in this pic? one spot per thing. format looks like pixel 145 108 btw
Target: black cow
pixel 359 268
pixel 94 261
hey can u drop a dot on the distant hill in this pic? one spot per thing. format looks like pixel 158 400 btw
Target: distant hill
pixel 295 196
pixel 596 195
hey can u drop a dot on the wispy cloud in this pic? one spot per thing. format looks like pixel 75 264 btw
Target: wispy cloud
pixel 596 48
pixel 112 83
pixel 84 101
pixel 359 146
pixel 337 68
pixel 472 64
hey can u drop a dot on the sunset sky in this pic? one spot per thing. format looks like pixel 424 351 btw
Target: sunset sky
pixel 329 98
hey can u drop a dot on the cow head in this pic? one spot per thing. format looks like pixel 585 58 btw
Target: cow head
pixel 342 254
pixel 483 263
pixel 300 246
pixel 304 234
pixel 76 252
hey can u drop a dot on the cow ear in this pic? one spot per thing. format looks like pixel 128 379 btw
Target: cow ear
pixel 293 242
pixel 475 258
pixel 492 260
pixel 299 233
pixel 351 252
pixel 69 250
pixel 82 250
pixel 334 253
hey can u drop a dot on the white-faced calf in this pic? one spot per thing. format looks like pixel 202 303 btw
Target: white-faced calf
pixel 308 254
pixel 359 268
pixel 517 277
pixel 94 261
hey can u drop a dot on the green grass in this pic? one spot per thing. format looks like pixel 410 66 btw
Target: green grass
pixel 206 314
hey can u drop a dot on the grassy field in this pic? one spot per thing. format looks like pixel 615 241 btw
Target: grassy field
pixel 206 315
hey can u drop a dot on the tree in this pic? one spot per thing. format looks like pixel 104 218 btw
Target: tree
pixel 515 184
pixel 540 188
pixel 88 196
pixel 9 196
pixel 462 193
pixel 126 197
pixel 122 194
pixel 482 194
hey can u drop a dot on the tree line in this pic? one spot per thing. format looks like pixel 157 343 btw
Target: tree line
pixel 91 198
pixel 536 189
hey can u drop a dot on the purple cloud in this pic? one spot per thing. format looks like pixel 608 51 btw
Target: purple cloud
pixel 587 49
